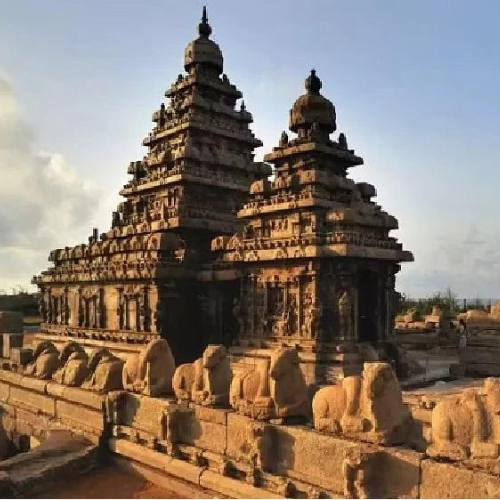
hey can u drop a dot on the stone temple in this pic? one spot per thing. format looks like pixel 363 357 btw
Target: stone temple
pixel 207 247
pixel 231 335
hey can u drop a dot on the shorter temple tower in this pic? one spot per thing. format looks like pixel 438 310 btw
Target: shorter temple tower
pixel 315 260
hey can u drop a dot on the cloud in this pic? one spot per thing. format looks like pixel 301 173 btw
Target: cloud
pixel 466 260
pixel 44 203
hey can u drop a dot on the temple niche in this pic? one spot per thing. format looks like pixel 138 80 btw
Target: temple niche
pixel 315 261
pixel 138 281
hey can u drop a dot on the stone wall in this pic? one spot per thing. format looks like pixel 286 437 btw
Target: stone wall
pixel 230 454
pixel 32 407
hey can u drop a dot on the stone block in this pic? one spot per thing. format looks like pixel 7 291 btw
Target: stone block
pixel 27 398
pixel 248 439
pixel 55 389
pixel 311 457
pixel 398 473
pixel 33 384
pixel 11 322
pixel 73 414
pixel 9 377
pixel 84 397
pixel 139 453
pixel 213 415
pixel 142 412
pixel 4 391
pixel 9 341
pixel 232 488
pixel 204 428
pixel 20 355
pixel 236 434
pixel 444 480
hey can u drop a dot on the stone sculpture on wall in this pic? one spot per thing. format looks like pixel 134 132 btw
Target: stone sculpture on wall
pixel 255 451
pixel 368 407
pixel 45 361
pixel 346 315
pixel 275 390
pixel 150 372
pixel 468 424
pixel 207 380
pixel 360 470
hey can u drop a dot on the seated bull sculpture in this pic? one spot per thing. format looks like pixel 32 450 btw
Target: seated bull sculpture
pixel 150 372
pixel 277 389
pixel 104 372
pixel 45 361
pixel 467 425
pixel 207 380
pixel 367 407
pixel 73 365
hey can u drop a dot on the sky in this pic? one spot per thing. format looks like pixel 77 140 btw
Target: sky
pixel 415 85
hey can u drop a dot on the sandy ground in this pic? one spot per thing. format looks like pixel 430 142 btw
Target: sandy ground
pixel 109 481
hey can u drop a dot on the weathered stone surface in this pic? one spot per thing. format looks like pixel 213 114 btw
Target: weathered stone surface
pixel 10 341
pixel 398 473
pixel 442 480
pixel 232 488
pixel 24 397
pixel 151 371
pixel 311 457
pixel 467 424
pixel 205 428
pixel 275 389
pixel 206 381
pixel 367 407
pixel 83 397
pixel 143 413
pixel 69 413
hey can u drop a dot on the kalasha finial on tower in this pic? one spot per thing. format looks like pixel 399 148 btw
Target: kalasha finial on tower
pixel 204 28
pixel 313 83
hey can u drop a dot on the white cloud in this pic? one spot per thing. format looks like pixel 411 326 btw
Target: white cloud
pixel 44 203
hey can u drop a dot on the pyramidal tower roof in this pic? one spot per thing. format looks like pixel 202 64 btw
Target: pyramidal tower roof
pixel 193 179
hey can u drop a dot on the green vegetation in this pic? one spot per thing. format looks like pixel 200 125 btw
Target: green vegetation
pixel 446 301
pixel 20 301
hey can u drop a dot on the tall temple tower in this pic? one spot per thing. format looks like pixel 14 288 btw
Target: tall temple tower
pixel 315 261
pixel 138 280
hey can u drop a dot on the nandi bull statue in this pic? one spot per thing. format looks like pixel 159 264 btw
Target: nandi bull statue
pixel 150 372
pixel 467 425
pixel 73 365
pixel 205 381
pixel 104 372
pixel 368 407
pixel 45 361
pixel 275 389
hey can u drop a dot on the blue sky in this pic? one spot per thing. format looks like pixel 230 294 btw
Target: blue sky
pixel 415 85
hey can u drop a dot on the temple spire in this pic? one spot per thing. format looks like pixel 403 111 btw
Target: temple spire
pixel 204 28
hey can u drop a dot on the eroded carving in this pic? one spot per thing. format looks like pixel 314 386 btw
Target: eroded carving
pixel 150 372
pixel 276 389
pixel 467 425
pixel 367 407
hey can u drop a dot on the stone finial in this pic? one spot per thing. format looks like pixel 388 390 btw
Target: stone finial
pixel 242 106
pixel 204 28
pixel 313 83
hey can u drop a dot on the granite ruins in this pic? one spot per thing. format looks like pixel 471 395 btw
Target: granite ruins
pixel 234 332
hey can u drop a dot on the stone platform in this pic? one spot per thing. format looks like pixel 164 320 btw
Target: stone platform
pixel 207 448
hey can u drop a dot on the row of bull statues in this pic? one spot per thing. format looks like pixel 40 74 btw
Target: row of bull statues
pixel 367 407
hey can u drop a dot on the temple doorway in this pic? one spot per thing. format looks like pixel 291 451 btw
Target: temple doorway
pixel 367 306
